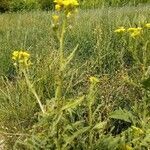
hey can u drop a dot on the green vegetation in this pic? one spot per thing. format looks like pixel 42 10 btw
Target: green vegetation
pixel 108 3
pixel 99 100
pixel 19 5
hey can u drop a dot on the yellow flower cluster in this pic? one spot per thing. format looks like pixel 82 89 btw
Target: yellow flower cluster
pixel 65 4
pixel 21 58
pixel 134 32
pixel 94 80
pixel 68 6
pixel 134 29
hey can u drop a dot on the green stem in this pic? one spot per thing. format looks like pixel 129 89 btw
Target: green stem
pixel 145 58
pixel 90 124
pixel 58 92
pixel 61 46
pixel 33 91
pixel 90 114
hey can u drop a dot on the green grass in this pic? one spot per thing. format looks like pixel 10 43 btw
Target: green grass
pixel 28 5
pixel 111 3
pixel 32 30
pixel 101 53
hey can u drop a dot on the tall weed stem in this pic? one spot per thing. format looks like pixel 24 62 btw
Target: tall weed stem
pixel 90 99
pixel 58 92
pixel 33 91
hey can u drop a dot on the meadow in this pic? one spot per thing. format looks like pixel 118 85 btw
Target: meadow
pixel 96 97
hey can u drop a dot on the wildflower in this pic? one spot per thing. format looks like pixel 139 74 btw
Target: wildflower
pixel 147 25
pixel 134 29
pixel 20 55
pixel 131 29
pixel 139 28
pixel 15 55
pixel 68 14
pixel 66 4
pixel 21 58
pixel 70 3
pixel 135 32
pixel 55 18
pixel 57 7
pixel 120 30
pixel 94 80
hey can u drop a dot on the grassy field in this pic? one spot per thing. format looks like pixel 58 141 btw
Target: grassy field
pixel 109 114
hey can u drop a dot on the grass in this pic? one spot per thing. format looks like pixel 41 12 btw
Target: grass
pixel 101 53
pixel 31 30
pixel 111 3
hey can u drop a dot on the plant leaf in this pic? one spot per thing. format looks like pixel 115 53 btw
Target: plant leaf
pixel 100 125
pixel 73 103
pixel 122 115
pixel 76 134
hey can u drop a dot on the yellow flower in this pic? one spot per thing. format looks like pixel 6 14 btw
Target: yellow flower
pixel 135 32
pixel 55 18
pixel 120 30
pixel 68 14
pixel 139 28
pixel 71 3
pixel 66 4
pixel 134 29
pixel 57 7
pixel 94 80
pixel 147 25
pixel 21 57
pixel 15 55
pixel 131 29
